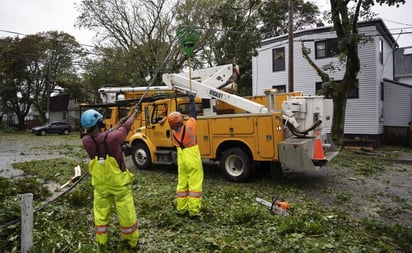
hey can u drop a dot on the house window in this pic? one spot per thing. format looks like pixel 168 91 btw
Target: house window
pixel 280 88
pixel 382 91
pixel 326 48
pixel 381 51
pixel 352 92
pixel 278 59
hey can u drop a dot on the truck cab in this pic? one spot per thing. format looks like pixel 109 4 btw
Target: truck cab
pixel 153 142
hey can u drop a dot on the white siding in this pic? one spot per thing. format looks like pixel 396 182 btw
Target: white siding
pixel 398 104
pixel 305 77
pixel 363 114
pixel 383 70
pixel 264 77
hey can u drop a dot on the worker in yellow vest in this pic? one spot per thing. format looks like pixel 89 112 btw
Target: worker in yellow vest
pixel 111 180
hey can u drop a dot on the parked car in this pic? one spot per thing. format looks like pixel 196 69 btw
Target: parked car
pixel 55 127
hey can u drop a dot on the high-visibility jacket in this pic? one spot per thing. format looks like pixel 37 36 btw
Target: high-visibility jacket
pixel 186 136
pixel 190 170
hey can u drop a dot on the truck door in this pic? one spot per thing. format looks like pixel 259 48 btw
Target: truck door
pixel 203 137
pixel 160 133
pixel 265 137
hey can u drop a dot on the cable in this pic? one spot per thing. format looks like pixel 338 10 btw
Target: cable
pixel 301 134
pixel 46 203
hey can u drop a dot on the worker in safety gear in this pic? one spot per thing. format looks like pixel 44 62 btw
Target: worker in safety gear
pixel 111 180
pixel 164 115
pixel 189 162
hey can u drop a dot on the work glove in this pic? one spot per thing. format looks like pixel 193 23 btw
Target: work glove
pixel 192 112
pixel 191 98
pixel 136 108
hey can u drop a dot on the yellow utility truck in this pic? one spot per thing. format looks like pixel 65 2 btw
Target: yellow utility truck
pixel 117 102
pixel 279 130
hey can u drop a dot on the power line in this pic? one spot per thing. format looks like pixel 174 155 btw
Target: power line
pixel 408 26
pixel 126 68
pixel 396 22
pixel 23 34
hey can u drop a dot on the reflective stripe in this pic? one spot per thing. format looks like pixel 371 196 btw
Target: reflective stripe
pixel 101 229
pixel 195 194
pixel 182 194
pixel 128 230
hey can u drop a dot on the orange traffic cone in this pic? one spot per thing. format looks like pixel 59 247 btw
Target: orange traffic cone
pixel 318 155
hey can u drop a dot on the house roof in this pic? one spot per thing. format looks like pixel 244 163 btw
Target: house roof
pixel 59 103
pixel 380 26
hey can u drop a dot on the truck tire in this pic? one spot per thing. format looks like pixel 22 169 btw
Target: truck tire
pixel 236 165
pixel 141 156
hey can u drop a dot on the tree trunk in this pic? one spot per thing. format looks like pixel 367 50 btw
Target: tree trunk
pixel 338 121
pixel 21 126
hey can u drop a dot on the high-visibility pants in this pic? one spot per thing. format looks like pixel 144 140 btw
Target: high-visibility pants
pixel 190 180
pixel 111 185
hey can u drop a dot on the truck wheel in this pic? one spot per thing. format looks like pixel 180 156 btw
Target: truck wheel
pixel 236 165
pixel 141 156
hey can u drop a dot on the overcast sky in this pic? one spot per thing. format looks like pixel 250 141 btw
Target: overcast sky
pixel 33 16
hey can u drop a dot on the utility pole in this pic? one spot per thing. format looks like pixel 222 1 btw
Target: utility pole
pixel 48 93
pixel 290 47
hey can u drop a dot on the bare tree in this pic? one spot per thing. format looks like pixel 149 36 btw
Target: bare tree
pixel 141 29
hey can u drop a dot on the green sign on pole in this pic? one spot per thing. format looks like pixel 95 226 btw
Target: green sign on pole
pixel 188 36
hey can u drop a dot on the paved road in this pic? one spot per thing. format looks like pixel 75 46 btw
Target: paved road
pixel 26 147
pixel 16 148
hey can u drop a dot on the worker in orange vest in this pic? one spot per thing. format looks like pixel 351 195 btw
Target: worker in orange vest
pixel 189 162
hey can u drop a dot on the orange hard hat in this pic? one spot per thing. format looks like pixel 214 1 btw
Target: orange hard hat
pixel 175 119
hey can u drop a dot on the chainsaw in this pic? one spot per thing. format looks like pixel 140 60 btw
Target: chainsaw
pixel 277 206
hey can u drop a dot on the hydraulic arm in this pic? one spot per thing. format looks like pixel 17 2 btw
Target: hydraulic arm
pixel 209 86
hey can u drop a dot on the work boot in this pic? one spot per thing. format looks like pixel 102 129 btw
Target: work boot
pixel 194 216
pixel 181 213
pixel 127 248
pixel 102 248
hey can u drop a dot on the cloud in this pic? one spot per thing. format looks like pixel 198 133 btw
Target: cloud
pixel 30 17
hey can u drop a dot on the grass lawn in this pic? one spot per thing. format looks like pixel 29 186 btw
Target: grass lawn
pixel 231 220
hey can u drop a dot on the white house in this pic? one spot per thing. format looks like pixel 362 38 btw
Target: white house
pixel 398 100
pixel 365 104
